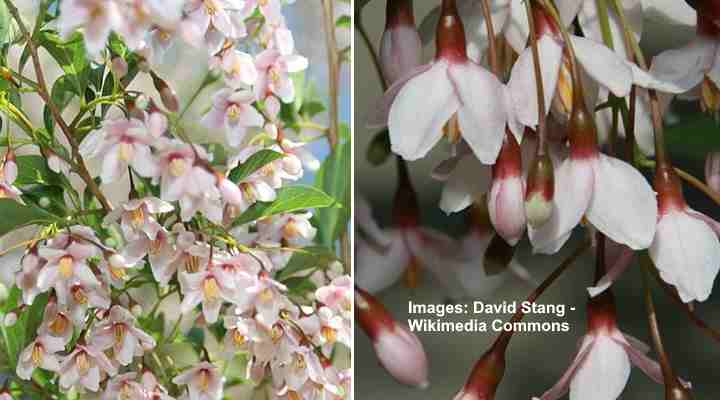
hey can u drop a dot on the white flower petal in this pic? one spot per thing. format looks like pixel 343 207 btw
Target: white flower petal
pixel 623 205
pixel 603 65
pixel 604 373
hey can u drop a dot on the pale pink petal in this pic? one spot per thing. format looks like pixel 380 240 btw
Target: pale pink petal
pixel 563 385
pixel 400 52
pixel 604 66
pixel 604 373
pixel 379 116
pixel 466 183
pixel 614 272
pixel 684 67
pixel 377 269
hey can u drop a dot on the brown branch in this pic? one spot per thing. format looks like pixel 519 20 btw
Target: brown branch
pixel 45 94
pixel 333 70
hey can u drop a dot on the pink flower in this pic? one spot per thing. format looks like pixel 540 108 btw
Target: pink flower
pixel 124 387
pixel 141 15
pixel 160 252
pixel 276 35
pixel 266 297
pixel 398 350
pixel 119 332
pixel 686 249
pixel 125 142
pixel 327 328
pixel 184 177
pixel 187 255
pixel 84 296
pixel 64 265
pixel 239 336
pixel 337 295
pixel 210 22
pixel 400 46
pixel 85 367
pixel 152 388
pixel 233 111
pixel 115 267
pixel 137 217
pixel 97 17
pixel 273 69
pixel 8 175
pixel 294 230
pixel 270 9
pixel 26 279
pixel 304 366
pixel 601 368
pixel 211 286
pixel 204 382
pixel 56 322
pixel 41 353
pixel 239 69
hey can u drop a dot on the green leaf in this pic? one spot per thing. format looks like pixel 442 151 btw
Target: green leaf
pixel 19 335
pixel 15 215
pixel 63 91
pixel 33 169
pixel 289 199
pixel 5 23
pixel 305 259
pixel 334 179
pixel 70 55
pixel 300 286
pixel 379 149
pixel 252 164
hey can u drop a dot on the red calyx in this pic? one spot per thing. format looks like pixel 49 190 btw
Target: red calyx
pixel 399 12
pixel 581 130
pixel 450 34
pixel 708 18
pixel 541 178
pixel 509 161
pixel 487 373
pixel 669 189
pixel 371 314
pixel 544 23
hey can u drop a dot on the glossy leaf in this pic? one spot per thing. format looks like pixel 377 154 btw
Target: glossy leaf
pixel 289 199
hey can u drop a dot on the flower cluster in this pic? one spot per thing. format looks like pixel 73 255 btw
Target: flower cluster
pixel 99 276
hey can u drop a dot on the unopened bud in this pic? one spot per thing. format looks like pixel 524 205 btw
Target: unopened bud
pixel 167 94
pixel 398 350
pixel 117 261
pixel 400 47
pixel 712 170
pixel 44 202
pixel 505 201
pixel 540 191
pixel 119 67
pixel 450 36
pixel 10 319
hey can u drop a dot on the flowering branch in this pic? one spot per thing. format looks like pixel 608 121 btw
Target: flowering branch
pixel 45 94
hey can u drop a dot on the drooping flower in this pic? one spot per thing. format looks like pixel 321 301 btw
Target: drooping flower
pixel 233 112
pixel 398 350
pixel 120 333
pixel 204 382
pixel 239 69
pixel 41 353
pixel 124 386
pixel 125 142
pixel 208 23
pixel 337 295
pixel 137 217
pixel 613 196
pixel 273 69
pixel 66 263
pixel 85 367
pixel 8 175
pixel 601 367
pixel 56 322
pixel 211 286
pixel 266 296
pixel 685 250
pixel 27 278
pixel 97 17
pixel 400 47
pixel 507 192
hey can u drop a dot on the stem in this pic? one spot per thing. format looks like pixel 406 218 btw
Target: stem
pixel 373 54
pixel 333 70
pixel 504 338
pixel 542 136
pixel 693 181
pixel 45 95
pixel 205 83
pixel 660 151
pixel 492 44
pixel 672 385
pixel 712 333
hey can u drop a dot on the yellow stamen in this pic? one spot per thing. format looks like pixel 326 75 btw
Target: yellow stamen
pixel 238 338
pixel 276 333
pixel 211 290
pixel 293 395
pixel 120 331
pixel 710 96
pixel 79 295
pixel 137 217
pixel 82 363
pixel 451 130
pixel 412 274
pixel 299 362
pixel 562 102
pixel 66 267
pixel 329 334
pixel 126 151
pixel 58 325
pixel 204 380
pixel 266 295
pixel 37 355
pixel 178 167
pixel 192 263
pixel 233 112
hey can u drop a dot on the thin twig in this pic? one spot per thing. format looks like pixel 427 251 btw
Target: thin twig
pixel 45 94
pixel 333 71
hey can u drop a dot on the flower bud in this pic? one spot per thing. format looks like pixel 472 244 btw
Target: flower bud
pixel 507 192
pixel 486 375
pixel 229 190
pixel 400 46
pixel 167 94
pixel 669 190
pixel 44 202
pixel 10 319
pixel 399 350
pixel 540 191
pixel 712 170
pixel 119 67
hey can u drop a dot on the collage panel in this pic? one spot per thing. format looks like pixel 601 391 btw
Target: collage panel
pixel 175 199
